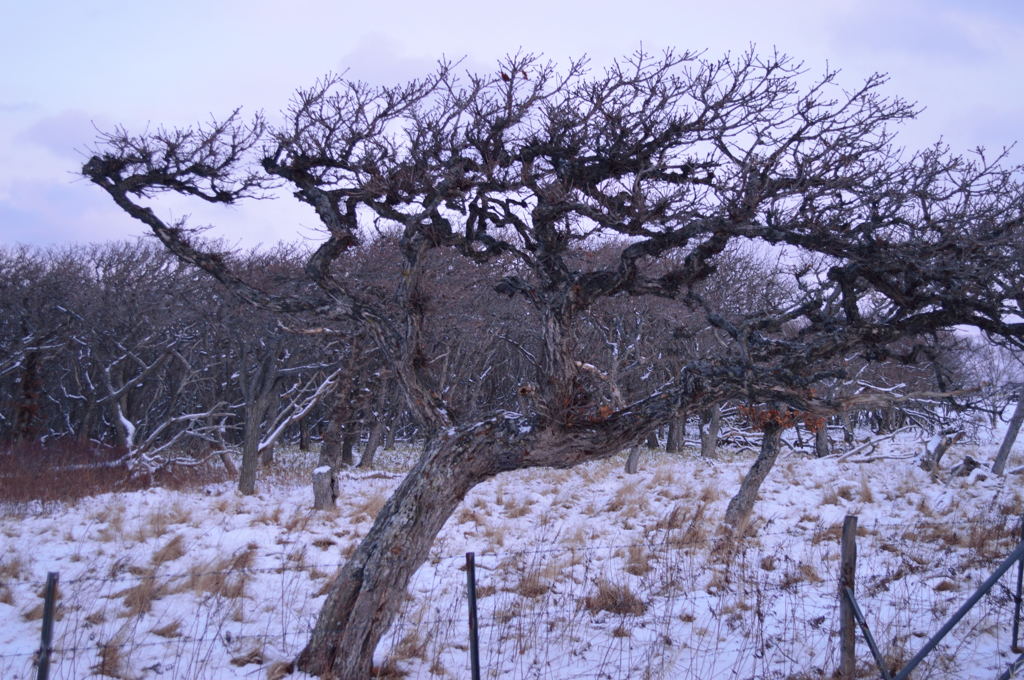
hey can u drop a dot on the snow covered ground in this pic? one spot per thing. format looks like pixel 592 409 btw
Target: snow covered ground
pixel 584 573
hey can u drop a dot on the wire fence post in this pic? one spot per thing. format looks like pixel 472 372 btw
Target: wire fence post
pixel 474 644
pixel 46 645
pixel 847 623
pixel 1017 597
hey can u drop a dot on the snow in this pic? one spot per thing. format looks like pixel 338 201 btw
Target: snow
pixel 555 551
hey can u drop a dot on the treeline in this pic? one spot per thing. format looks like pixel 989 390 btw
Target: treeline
pixel 121 345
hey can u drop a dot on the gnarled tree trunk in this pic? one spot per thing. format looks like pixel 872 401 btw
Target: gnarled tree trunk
pixel 366 595
pixel 743 502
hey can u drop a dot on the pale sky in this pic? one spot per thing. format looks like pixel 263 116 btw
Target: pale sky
pixel 70 65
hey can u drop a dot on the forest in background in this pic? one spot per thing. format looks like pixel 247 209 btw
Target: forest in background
pixel 119 353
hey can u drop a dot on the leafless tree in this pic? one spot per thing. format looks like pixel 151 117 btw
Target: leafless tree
pixel 673 153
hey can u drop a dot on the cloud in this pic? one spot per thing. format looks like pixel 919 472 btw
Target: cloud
pixel 43 212
pixel 65 134
pixel 380 60
pixel 917 31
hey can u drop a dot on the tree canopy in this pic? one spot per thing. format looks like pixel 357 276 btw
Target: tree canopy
pixel 672 160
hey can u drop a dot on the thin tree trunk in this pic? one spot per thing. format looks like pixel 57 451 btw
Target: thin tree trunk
pixel 847 428
pixel 676 435
pixel 743 502
pixel 372 444
pixel 709 433
pixel 250 459
pixel 389 437
pixel 652 440
pixel 229 465
pixel 633 460
pixel 822 444
pixel 999 466
pixel 267 455
pixel 348 444
pixel 304 434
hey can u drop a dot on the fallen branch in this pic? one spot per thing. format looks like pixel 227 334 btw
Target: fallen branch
pixel 872 444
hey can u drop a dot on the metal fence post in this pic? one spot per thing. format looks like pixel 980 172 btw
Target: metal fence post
pixel 474 645
pixel 47 642
pixel 847 624
pixel 1017 597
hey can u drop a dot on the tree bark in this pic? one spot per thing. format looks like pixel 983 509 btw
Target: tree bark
pixel 348 444
pixel 822 444
pixel 931 459
pixel 742 503
pixel 325 488
pixel 676 435
pixel 372 444
pixel 633 460
pixel 999 466
pixel 250 459
pixel 847 427
pixel 366 595
pixel 709 433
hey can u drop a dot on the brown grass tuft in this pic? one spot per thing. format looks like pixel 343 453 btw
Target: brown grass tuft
pixel 171 551
pixel 638 561
pixel 112 663
pixel 368 507
pixel 169 630
pixel 226 577
pixel 139 598
pixel 249 657
pixel 616 598
pixel 279 670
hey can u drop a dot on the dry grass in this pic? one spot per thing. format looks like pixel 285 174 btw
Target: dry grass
pixel 112 663
pixel 800 573
pixel 112 517
pixel 628 495
pixel 686 527
pixel 638 560
pixel 615 598
pixel 251 656
pixel 156 523
pixel 12 567
pixel 226 577
pixel 170 551
pixel 168 630
pixel 139 598
pixel 324 543
pixel 367 508
pixel 518 508
pixel 278 670
pixel 865 492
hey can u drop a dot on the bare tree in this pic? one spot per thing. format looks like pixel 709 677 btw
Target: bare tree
pixel 675 154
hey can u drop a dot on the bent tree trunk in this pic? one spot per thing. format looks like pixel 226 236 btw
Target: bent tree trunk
pixel 366 596
pixel 1011 436
pixel 743 502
